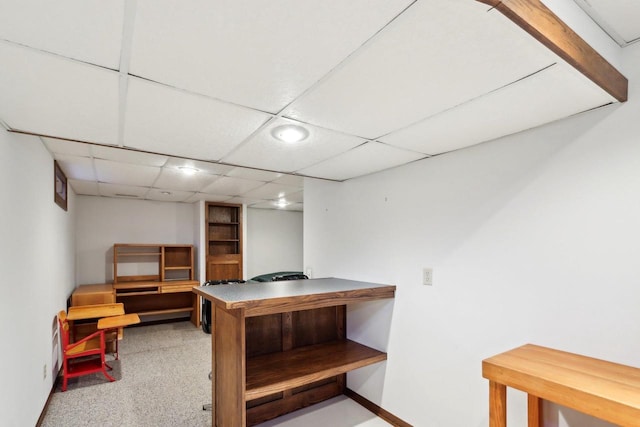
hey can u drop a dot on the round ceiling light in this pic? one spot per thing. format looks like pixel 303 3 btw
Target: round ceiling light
pixel 188 170
pixel 281 203
pixel 290 133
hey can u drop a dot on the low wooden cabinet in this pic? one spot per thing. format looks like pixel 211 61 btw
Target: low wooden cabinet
pixel 280 346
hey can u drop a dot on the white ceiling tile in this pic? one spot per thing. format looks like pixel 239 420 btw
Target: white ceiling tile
pixel 290 180
pixel 125 191
pixel 87 188
pixel 206 197
pixel 296 197
pixel 272 191
pixel 50 95
pixel 362 160
pixel 124 173
pixel 164 120
pixel 264 151
pixel 255 174
pixel 272 205
pixel 79 168
pixel 623 16
pixel 231 186
pixel 206 167
pixel 168 195
pixel 299 207
pixel 244 201
pixel 436 55
pixel 128 156
pixel 58 146
pixel 87 30
pixel 264 58
pixel 552 94
pixel 175 179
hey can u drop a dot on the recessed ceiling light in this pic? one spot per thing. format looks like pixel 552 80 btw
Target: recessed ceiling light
pixel 281 203
pixel 166 193
pixel 188 170
pixel 290 133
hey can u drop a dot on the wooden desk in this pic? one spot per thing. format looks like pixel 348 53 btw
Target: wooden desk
pixel 154 297
pixel 602 389
pixel 95 311
pixel 115 322
pixel 281 346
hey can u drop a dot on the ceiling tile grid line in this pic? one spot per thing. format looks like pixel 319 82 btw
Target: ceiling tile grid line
pixel 139 88
pixel 260 60
pixel 125 60
pixel 56 55
pixel 327 75
pixel 506 85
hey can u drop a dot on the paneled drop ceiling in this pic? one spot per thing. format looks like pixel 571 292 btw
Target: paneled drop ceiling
pixel 125 93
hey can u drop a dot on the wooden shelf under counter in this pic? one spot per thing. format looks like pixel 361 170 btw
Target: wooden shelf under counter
pixel 280 346
pixel 276 372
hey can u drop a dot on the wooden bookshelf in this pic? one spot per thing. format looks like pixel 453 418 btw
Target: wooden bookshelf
pixel 224 241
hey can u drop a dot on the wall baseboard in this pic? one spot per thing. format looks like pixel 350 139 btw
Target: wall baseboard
pixel 46 404
pixel 372 407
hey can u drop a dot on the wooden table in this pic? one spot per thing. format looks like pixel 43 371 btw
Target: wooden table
pixel 115 322
pixel 95 311
pixel 602 389
pixel 280 346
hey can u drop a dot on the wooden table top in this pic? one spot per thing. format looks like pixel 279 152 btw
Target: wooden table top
pixel 603 389
pixel 121 321
pixel 292 295
pixel 95 311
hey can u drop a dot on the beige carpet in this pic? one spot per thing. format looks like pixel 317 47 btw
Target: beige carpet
pixel 161 381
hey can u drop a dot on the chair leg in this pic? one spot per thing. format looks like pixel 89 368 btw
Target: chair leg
pixel 65 369
pixel 109 377
pixel 117 354
pixel 104 368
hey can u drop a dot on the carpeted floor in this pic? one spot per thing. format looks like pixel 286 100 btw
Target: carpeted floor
pixel 162 380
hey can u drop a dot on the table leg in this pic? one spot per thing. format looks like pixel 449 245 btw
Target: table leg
pixel 497 404
pixel 534 404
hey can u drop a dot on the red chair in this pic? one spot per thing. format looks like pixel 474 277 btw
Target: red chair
pixel 85 356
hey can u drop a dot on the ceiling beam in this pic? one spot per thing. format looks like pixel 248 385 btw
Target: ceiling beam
pixel 539 21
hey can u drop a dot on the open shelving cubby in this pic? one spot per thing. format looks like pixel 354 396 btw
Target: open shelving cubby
pixel 155 279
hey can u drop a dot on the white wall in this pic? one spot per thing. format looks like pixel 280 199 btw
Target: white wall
pixel 274 241
pixel 37 275
pixel 533 238
pixel 103 221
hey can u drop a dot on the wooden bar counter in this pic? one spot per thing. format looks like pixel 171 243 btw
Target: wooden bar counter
pixel 602 389
pixel 281 346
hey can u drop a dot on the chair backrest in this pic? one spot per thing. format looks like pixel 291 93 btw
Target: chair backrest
pixel 64 328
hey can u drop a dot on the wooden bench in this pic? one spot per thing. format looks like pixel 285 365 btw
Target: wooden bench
pixel 602 389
